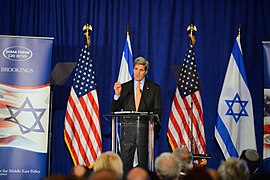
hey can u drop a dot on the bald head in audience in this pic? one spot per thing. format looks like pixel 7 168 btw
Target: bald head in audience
pixel 137 173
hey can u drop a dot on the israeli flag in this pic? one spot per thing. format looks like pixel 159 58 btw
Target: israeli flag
pixel 126 67
pixel 126 74
pixel 234 130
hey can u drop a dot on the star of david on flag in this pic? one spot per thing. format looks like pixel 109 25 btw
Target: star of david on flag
pixel 238 111
pixel 234 130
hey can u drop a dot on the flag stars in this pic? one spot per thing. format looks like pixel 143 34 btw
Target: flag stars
pixel 84 74
pixel 188 81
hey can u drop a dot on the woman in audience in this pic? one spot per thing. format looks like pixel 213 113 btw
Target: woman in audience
pixel 109 160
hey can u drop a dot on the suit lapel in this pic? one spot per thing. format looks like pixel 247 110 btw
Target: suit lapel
pixel 146 88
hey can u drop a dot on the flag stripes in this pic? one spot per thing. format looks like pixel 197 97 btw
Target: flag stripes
pixel 186 124
pixel 82 122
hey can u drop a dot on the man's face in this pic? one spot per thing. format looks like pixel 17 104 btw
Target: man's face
pixel 139 72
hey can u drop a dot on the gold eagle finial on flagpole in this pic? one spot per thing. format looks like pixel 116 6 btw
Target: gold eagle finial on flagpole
pixel 86 29
pixel 128 30
pixel 191 35
pixel 239 30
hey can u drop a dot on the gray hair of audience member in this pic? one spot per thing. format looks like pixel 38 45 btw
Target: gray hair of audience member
pixel 141 61
pixel 233 169
pixel 167 166
pixel 109 160
pixel 185 157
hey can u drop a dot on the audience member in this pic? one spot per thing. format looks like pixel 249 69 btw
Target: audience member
pixel 138 173
pixel 198 173
pixel 252 159
pixel 233 169
pixel 167 166
pixel 80 172
pixel 58 177
pixel 109 160
pixel 185 158
pixel 105 174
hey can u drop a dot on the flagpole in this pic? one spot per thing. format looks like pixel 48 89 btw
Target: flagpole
pixel 239 30
pixel 191 35
pixel 128 30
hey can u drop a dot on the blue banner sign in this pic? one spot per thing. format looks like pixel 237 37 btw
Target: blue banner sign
pixel 25 66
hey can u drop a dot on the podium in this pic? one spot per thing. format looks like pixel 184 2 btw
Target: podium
pixel 118 118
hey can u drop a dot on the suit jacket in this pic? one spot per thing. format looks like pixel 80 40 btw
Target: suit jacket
pixel 150 98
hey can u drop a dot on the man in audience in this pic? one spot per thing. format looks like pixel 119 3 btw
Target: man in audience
pixel 185 157
pixel 105 174
pixel 138 173
pixel 233 169
pixel 198 173
pixel 109 160
pixel 80 172
pixel 167 166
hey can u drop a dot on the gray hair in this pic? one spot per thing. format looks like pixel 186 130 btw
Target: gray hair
pixel 167 166
pixel 141 61
pixel 185 157
pixel 233 168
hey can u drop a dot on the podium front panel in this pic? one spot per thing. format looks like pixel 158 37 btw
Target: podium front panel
pixel 133 128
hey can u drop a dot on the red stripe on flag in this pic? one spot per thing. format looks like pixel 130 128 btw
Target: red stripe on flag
pixel 94 128
pixel 74 132
pixel 71 148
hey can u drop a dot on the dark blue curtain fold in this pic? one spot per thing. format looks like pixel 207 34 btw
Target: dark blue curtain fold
pixel 158 32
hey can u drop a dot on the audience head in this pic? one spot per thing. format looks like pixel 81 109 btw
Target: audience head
pixel 105 174
pixel 138 173
pixel 198 173
pixel 109 160
pixel 80 171
pixel 252 159
pixel 167 166
pixel 185 157
pixel 233 168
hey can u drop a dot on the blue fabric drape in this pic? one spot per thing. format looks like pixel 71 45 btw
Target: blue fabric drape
pixel 158 32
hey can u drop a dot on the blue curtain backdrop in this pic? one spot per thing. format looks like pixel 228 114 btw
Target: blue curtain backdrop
pixel 158 32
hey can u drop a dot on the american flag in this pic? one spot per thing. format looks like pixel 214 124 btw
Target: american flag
pixel 82 122
pixel 186 124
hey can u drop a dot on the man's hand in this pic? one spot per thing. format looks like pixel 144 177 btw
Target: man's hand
pixel 117 88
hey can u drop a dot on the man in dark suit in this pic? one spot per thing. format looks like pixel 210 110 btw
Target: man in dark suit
pixel 134 130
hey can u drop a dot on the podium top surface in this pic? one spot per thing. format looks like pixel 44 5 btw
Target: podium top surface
pixel 132 114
